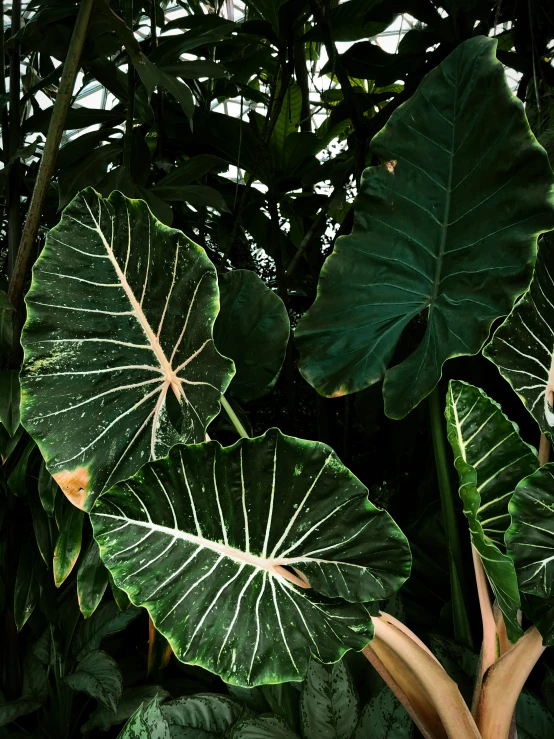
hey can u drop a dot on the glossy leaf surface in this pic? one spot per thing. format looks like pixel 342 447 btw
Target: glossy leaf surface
pixel 119 317
pixel 68 544
pixel 211 541
pixel 453 210
pixel 491 459
pixel 530 538
pixel 252 328
pixel 523 346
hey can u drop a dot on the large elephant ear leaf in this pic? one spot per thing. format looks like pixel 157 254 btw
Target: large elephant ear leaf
pixel 523 346
pixel 249 558
pixel 491 459
pixel 444 229
pixel 118 343
pixel 530 538
pixel 252 328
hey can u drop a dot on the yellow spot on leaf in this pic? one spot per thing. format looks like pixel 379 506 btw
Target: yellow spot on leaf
pixel 74 485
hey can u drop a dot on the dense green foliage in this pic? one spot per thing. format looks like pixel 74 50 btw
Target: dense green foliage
pixel 154 569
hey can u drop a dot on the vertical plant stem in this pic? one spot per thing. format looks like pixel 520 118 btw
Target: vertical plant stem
pixel 544 450
pixel 488 650
pixel 129 120
pixel 462 631
pixel 234 418
pixel 14 142
pixel 48 161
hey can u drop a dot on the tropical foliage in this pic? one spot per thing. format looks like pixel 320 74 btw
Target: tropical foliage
pixel 231 291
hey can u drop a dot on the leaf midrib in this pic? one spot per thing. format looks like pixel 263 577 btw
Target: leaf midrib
pixel 137 309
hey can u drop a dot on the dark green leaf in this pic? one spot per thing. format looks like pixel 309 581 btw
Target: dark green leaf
pixel 17 481
pixel 85 172
pixel 522 346
pixel 120 596
pixel 384 718
pixel 533 719
pixel 445 227
pixel 329 706
pixel 196 195
pixel 14 709
pixel 263 727
pixel 92 580
pixel 147 722
pixel 42 528
pixel 27 589
pixel 131 700
pixel 201 716
pixel 190 171
pixel 530 538
pixel 47 489
pixel 252 328
pixel 68 544
pixel 6 324
pixel 76 118
pixel 142 326
pixel 98 676
pixel 491 459
pixel 458 661
pixel 9 400
pixel 260 487
pixel 194 70
pixel 105 621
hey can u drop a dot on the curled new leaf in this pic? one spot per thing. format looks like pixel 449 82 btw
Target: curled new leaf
pixel 221 546
pixel 119 330
pixel 445 228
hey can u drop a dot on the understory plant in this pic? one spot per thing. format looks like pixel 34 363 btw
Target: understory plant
pixel 271 587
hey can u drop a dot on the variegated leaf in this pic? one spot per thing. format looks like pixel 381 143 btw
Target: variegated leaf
pixel 221 545
pixel 120 364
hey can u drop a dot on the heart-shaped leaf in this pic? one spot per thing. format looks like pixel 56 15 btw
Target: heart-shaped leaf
pixel 252 328
pixel 445 229
pixel 221 546
pixel 119 326
pixel 491 459
pixel 523 346
pixel 530 538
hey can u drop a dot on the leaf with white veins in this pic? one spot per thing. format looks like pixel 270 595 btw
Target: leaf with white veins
pixel 523 346
pixel 119 325
pixel 219 544
pixel 491 459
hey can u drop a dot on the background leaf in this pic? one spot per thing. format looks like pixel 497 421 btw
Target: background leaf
pixel 449 237
pixel 98 676
pixel 252 328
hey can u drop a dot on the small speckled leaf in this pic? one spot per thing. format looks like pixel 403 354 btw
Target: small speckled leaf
pixel 384 718
pixel 445 229
pixel 263 727
pixel 491 458
pixel 99 677
pixel 328 705
pixel 147 722
pixel 208 540
pixel 530 538
pixel 523 346
pixel 202 716
pixel 252 328
pixel 119 323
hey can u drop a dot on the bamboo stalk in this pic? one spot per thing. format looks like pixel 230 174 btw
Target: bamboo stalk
pixel 48 161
